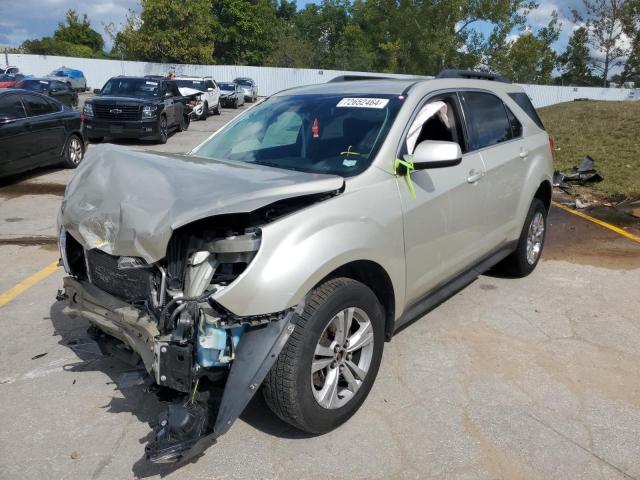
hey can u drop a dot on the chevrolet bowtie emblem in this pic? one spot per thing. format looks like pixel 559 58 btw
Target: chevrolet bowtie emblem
pixel 115 110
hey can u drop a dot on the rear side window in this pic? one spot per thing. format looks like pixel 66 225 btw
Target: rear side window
pixel 516 126
pixel 487 120
pixel 522 99
pixel 38 105
pixel 11 106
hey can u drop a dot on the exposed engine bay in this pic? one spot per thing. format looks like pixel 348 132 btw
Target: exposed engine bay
pixel 165 313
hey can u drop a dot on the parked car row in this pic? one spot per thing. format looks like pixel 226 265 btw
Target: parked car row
pixel 40 126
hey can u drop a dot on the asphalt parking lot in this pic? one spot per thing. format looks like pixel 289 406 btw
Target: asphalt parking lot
pixel 510 379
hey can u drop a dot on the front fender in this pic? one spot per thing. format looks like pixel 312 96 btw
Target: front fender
pixel 298 251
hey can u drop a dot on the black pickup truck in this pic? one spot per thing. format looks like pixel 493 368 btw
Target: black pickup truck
pixel 135 107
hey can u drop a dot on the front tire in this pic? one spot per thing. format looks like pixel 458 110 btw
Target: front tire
pixel 205 112
pixel 235 103
pixel 328 366
pixel 217 110
pixel 525 258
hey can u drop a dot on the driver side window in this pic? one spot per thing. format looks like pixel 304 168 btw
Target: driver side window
pixel 437 120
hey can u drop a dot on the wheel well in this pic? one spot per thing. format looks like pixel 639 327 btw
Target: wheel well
pixel 544 194
pixel 377 279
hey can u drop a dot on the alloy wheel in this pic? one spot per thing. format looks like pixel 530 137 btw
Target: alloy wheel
pixel 535 238
pixel 342 358
pixel 75 150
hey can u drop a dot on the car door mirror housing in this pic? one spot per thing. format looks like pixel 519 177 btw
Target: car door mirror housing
pixel 210 89
pixel 436 154
pixel 96 91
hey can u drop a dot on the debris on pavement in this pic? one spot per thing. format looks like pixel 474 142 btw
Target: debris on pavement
pixel 40 355
pixel 581 174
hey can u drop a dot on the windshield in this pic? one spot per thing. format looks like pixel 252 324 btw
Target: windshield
pixel 131 87
pixel 243 82
pixel 35 85
pixel 227 86
pixel 312 133
pixel 59 73
pixel 195 84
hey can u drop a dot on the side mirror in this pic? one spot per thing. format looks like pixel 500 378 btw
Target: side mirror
pixel 97 91
pixel 436 154
pixel 168 94
pixel 209 89
pixel 5 119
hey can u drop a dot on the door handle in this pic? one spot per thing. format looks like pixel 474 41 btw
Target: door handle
pixel 474 176
pixel 524 153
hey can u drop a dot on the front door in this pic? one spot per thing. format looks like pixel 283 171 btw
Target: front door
pixel 443 223
pixel 45 125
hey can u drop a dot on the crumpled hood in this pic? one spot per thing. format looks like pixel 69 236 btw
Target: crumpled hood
pixel 128 202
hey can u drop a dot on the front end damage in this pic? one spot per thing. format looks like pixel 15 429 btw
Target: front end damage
pixel 165 313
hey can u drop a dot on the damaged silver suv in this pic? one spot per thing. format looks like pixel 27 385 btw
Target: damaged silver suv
pixel 285 250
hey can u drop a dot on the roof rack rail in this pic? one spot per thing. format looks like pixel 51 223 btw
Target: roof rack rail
pixel 471 74
pixel 353 78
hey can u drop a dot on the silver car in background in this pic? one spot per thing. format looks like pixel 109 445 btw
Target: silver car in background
pixel 283 252
pixel 249 88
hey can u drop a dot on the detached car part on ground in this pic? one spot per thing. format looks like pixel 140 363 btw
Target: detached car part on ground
pixel 287 248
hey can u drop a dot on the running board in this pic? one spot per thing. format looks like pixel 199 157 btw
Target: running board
pixel 450 288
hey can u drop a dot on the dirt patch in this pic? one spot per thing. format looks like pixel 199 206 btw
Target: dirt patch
pixel 13 219
pixel 28 188
pixel 576 240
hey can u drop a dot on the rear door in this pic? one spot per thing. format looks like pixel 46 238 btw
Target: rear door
pixel 496 133
pixel 15 137
pixel 46 125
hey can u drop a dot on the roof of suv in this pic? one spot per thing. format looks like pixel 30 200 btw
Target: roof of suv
pixel 396 86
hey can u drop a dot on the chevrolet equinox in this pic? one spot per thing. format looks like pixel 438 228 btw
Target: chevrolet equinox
pixel 284 251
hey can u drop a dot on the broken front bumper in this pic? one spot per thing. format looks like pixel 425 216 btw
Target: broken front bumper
pixel 189 426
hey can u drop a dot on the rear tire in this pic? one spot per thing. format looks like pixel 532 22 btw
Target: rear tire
pixel 525 258
pixel 73 152
pixel 235 103
pixel 217 110
pixel 314 384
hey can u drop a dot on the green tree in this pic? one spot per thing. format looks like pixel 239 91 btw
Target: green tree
pixel 246 30
pixel 168 31
pixel 575 61
pixel 75 38
pixel 605 21
pixel 79 32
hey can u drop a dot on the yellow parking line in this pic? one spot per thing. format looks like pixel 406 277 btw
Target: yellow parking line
pixel 613 228
pixel 27 283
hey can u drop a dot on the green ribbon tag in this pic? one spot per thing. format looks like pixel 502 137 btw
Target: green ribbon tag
pixel 408 168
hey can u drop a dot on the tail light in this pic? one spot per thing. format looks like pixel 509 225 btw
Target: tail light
pixel 552 147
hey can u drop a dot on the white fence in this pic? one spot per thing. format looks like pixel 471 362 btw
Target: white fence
pixel 97 72
pixel 543 95
pixel 271 80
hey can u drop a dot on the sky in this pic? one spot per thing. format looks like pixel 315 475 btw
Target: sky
pixel 21 20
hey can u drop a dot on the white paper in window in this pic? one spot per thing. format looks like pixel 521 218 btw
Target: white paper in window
pixel 428 111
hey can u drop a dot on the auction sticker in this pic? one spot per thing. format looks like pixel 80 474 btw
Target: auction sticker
pixel 363 102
